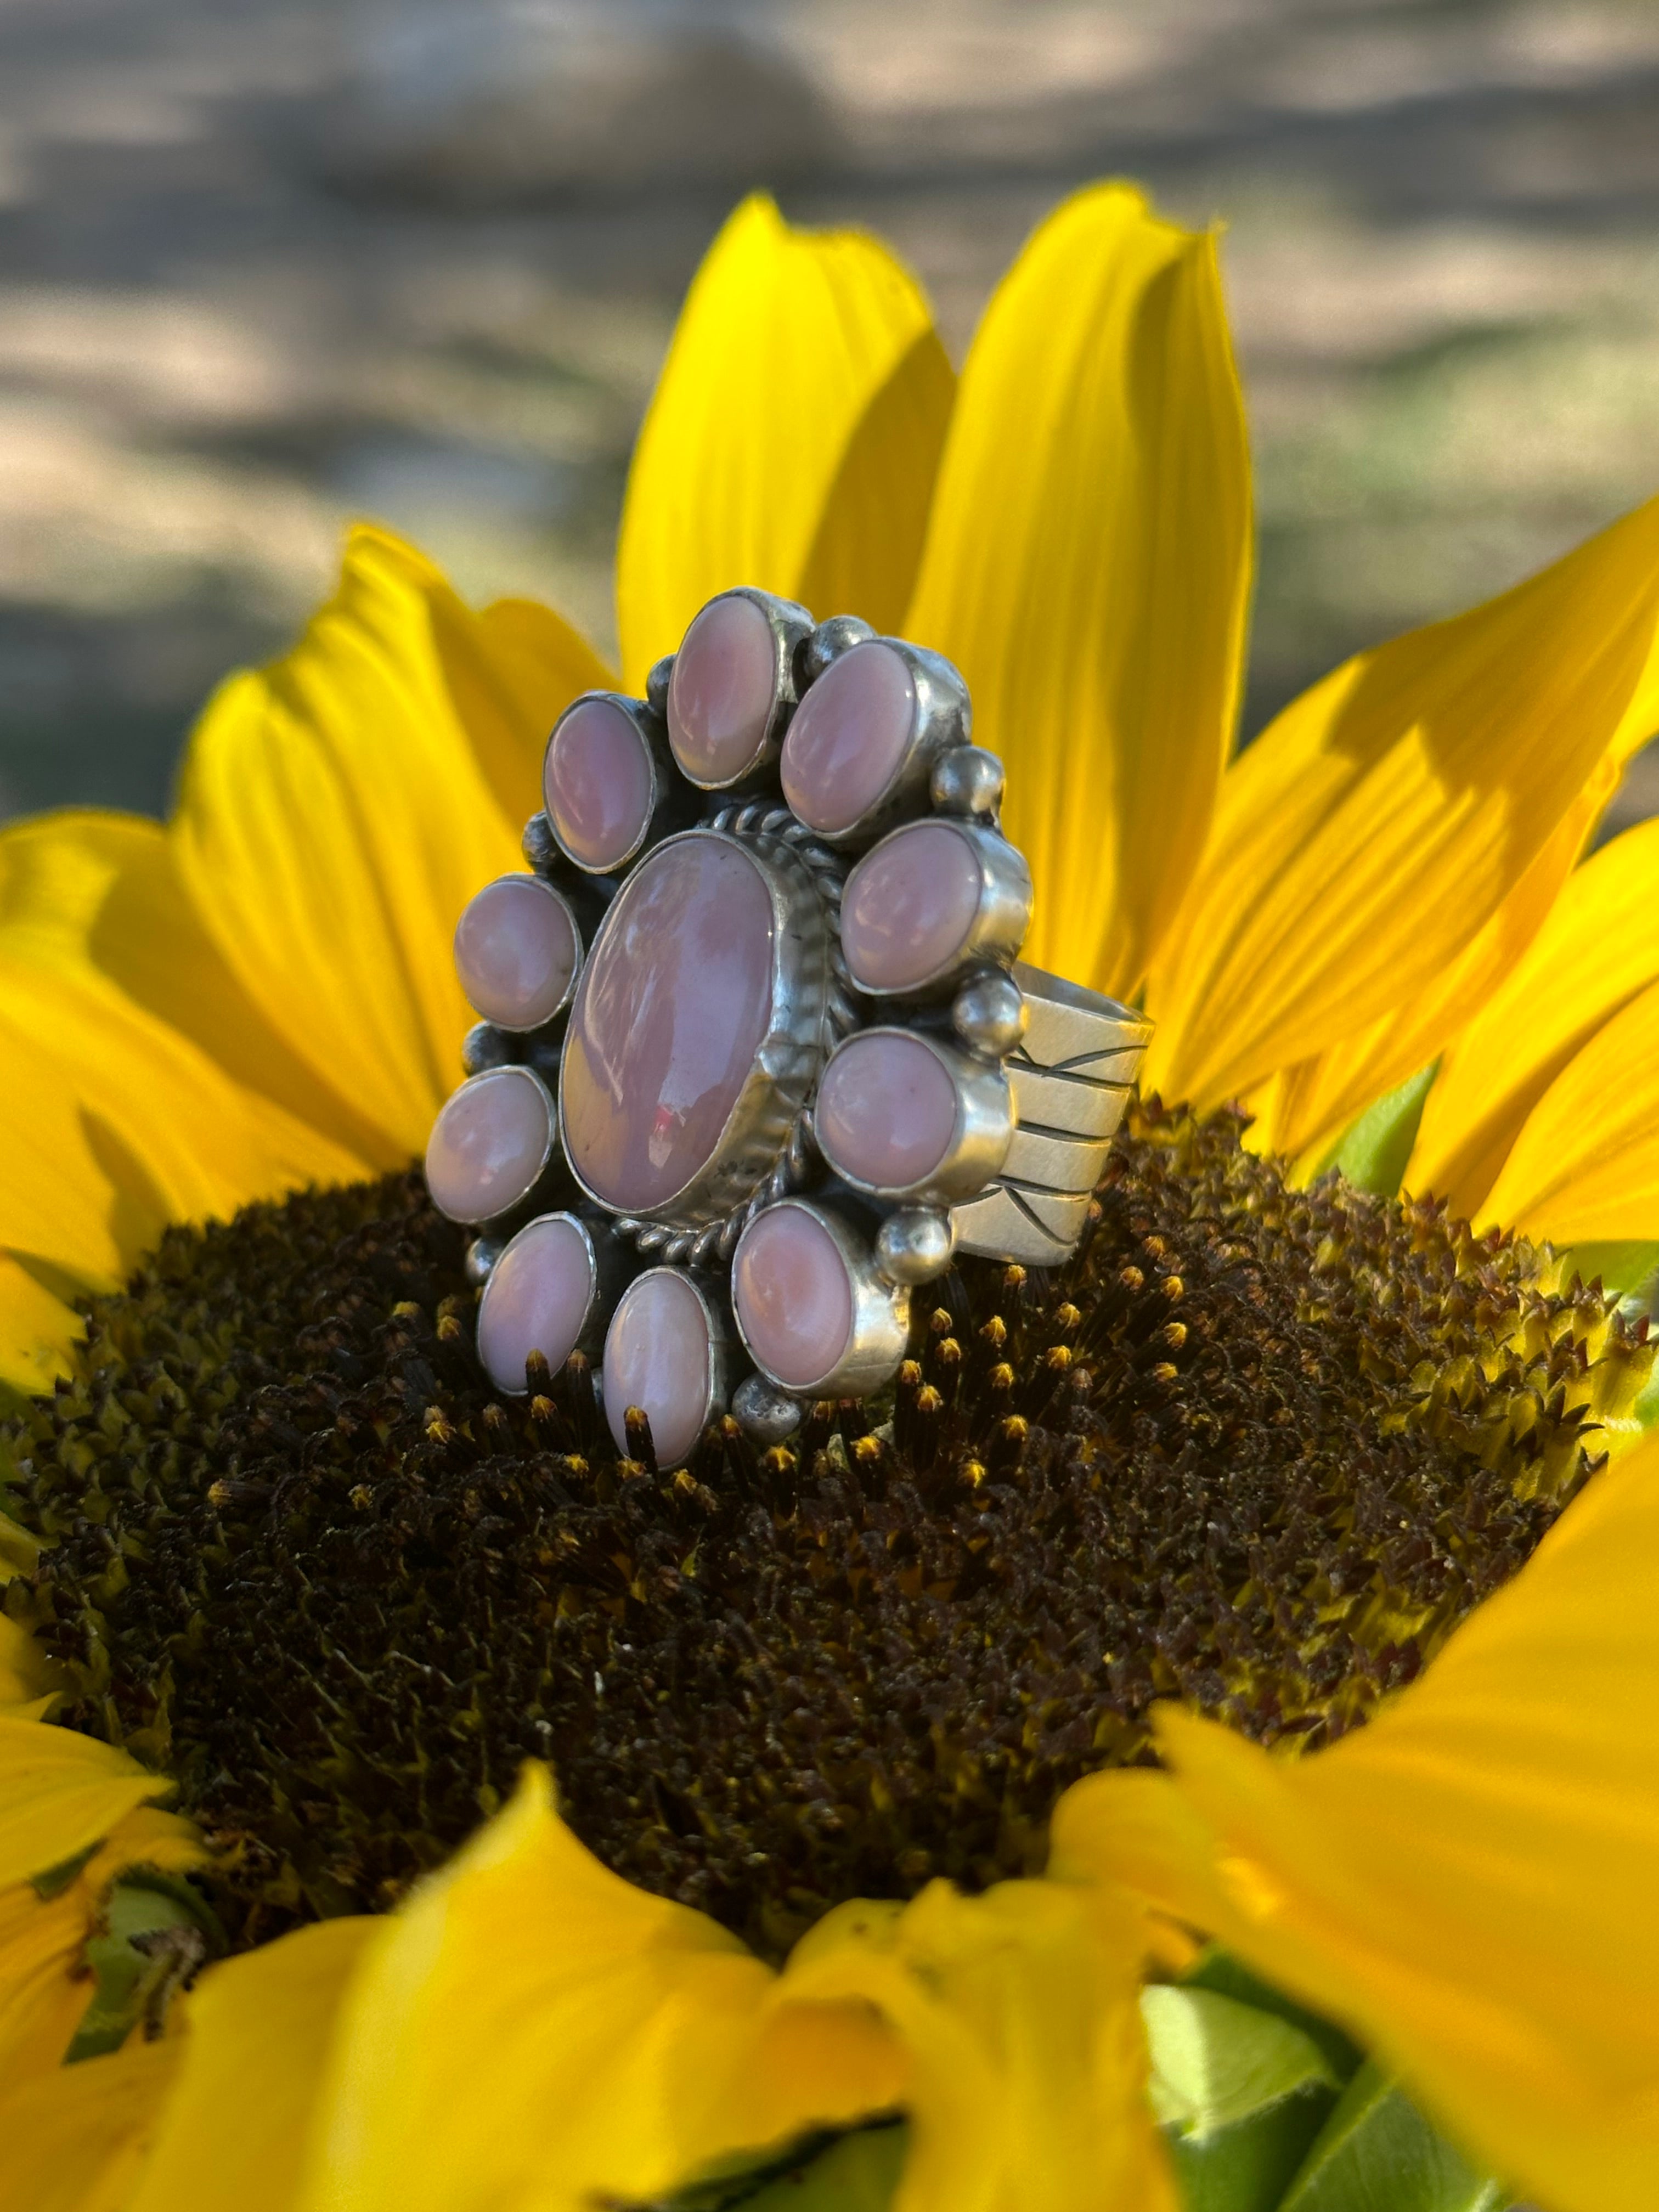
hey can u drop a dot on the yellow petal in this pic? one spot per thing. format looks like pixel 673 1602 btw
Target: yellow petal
pixel 1366 839
pixel 41 1998
pixel 333 820
pixel 44 1987
pixel 89 897
pixel 1585 1166
pixel 1087 567
pixel 1597 949
pixel 75 2139
pixel 112 1125
pixel 511 671
pixel 36 1330
pixel 792 439
pixel 59 1791
pixel 1469 1881
pixel 261 2023
pixel 1020 2011
pixel 1310 1105
pixel 28 1677
pixel 530 2028
pixel 143 1088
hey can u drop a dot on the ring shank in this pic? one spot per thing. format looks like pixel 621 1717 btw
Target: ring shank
pixel 1071 1076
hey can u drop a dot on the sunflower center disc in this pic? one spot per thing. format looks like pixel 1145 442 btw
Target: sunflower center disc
pixel 1256 1448
pixel 668 1020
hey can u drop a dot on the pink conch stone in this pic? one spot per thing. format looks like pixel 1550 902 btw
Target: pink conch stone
pixel 515 952
pixel 656 1356
pixel 908 907
pixel 792 1296
pixel 886 1110
pixel 536 1300
pixel 723 690
pixel 488 1144
pixel 596 782
pixel 670 1013
pixel 849 736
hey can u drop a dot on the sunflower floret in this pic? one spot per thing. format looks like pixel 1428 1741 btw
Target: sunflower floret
pixel 1259 1448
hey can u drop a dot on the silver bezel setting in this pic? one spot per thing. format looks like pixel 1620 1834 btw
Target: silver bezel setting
pixel 530 1029
pixel 762 1119
pixel 668 808
pixel 791 626
pixel 1040 1069
pixel 941 717
pixel 880 1324
pixel 717 1365
pixel 584 1334
pixel 1002 913
pixel 491 1225
pixel 979 1142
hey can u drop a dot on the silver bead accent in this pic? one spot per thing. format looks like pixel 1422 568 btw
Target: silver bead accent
pixel 482 1254
pixel 656 684
pixel 967 780
pixel 768 1415
pixel 827 642
pixel 483 1047
pixel 540 847
pixel 989 1013
pixel 914 1245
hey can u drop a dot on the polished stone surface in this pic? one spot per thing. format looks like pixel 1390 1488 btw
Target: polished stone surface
pixel 670 1013
pixel 515 952
pixel 536 1300
pixel 489 1144
pixel 723 690
pixel 596 784
pixel 792 1296
pixel 844 747
pixel 656 1356
pixel 908 907
pixel 886 1110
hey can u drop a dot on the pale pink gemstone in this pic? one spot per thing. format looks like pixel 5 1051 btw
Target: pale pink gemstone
pixel 670 1013
pixel 489 1144
pixel 792 1296
pixel 596 782
pixel 515 952
pixel 656 1356
pixel 723 690
pixel 886 1110
pixel 849 736
pixel 908 907
pixel 536 1300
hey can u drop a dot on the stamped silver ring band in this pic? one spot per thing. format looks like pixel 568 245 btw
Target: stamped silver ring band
pixel 758 1055
pixel 1071 1074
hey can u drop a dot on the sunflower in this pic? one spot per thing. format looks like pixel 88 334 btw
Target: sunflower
pixel 930 1820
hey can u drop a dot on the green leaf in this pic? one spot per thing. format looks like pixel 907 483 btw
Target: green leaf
pixel 1244 2168
pixel 858 2173
pixel 1376 2152
pixel 1373 1154
pixel 157 1933
pixel 1218 1969
pixel 1626 1270
pixel 1215 2062
pixel 52 1881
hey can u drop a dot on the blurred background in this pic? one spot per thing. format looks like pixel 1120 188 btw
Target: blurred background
pixel 266 265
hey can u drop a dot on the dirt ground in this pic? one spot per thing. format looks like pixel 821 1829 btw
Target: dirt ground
pixel 265 266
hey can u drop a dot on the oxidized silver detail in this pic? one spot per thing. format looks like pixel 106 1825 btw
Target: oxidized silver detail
pixel 768 1415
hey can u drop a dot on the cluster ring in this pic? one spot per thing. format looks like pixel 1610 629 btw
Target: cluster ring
pixel 758 1055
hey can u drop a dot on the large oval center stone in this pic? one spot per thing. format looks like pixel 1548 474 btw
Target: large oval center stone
pixel 675 1001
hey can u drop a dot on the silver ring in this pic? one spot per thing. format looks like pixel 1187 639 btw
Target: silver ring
pixel 787 1060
